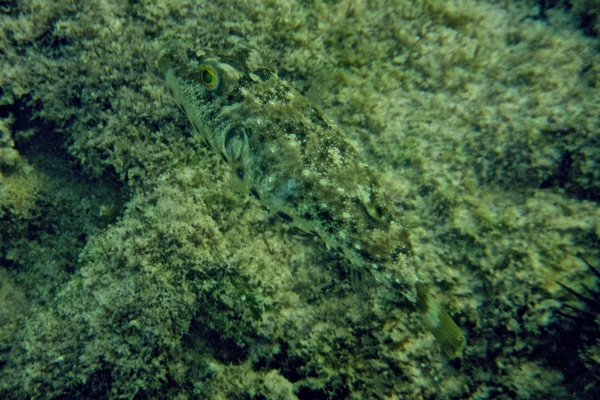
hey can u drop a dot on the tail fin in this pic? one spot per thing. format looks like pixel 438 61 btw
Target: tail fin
pixel 444 329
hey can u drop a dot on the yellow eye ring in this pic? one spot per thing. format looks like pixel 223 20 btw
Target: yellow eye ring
pixel 208 76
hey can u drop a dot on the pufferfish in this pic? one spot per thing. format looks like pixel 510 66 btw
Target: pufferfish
pixel 297 163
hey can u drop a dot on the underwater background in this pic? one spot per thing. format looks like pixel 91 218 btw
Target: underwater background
pixel 132 267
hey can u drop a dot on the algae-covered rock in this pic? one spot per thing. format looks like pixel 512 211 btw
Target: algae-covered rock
pixel 132 267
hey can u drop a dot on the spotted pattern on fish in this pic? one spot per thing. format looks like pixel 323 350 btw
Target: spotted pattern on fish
pixel 298 164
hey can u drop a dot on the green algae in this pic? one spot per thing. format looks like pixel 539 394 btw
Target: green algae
pixel 132 268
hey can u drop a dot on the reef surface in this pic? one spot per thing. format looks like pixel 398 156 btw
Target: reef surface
pixel 131 265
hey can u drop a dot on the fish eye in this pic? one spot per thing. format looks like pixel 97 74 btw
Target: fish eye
pixel 208 76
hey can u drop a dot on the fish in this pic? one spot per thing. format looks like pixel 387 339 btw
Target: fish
pixel 297 163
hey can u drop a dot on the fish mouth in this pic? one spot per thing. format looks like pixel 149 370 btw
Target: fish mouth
pixel 164 62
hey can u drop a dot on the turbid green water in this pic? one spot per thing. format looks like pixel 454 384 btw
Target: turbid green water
pixel 132 266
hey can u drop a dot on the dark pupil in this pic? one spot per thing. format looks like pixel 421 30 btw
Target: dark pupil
pixel 207 76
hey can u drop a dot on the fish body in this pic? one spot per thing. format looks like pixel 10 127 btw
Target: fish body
pixel 298 164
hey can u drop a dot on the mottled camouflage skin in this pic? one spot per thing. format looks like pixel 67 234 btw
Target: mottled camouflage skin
pixel 292 158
